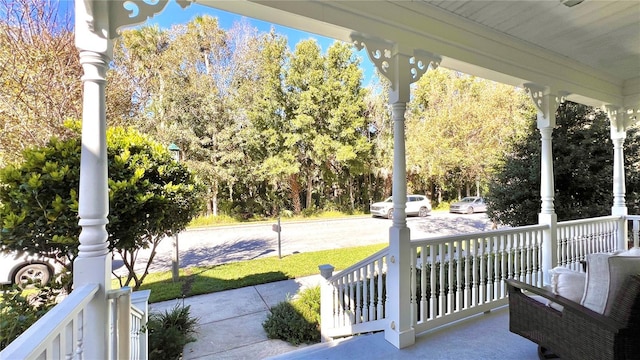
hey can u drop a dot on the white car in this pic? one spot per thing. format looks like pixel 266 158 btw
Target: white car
pixel 24 269
pixel 416 205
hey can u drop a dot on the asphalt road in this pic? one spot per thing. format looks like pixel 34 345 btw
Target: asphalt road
pixel 219 245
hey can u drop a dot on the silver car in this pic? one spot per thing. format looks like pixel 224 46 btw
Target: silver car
pixel 23 269
pixel 416 205
pixel 469 205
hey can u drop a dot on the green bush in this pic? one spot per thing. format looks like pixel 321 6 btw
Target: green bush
pixel 169 332
pixel 19 309
pixel 296 321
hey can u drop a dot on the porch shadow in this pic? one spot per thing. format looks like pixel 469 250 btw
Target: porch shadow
pixel 231 251
pixel 448 226
pixel 195 281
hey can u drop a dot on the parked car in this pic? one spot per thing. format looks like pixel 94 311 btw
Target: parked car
pixel 416 205
pixel 22 268
pixel 469 205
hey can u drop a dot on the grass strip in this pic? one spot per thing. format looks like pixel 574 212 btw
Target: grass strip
pixel 205 280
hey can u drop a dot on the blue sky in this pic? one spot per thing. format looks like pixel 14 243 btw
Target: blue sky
pixel 174 14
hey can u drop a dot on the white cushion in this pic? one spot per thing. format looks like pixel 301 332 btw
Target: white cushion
pixel 631 252
pixel 568 283
pixel 605 274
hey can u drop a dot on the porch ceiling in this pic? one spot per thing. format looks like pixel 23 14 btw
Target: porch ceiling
pixel 591 51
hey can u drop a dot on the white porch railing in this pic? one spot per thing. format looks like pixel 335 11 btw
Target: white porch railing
pixel 59 333
pixel 634 224
pixel 353 301
pixel 454 277
pixel 458 276
pixel 578 238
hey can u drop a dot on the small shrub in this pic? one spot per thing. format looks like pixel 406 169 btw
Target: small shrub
pixel 309 211
pixel 19 309
pixel 296 321
pixel 286 213
pixel 169 332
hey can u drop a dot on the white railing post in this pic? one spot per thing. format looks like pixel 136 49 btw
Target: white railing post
pixel 635 231
pixel 326 301
pixel 140 300
pixel 120 323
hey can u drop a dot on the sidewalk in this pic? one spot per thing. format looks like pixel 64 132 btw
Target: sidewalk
pixel 230 322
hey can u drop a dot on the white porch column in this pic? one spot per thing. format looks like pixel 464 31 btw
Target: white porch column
pixel 400 330
pixel 96 24
pixel 402 67
pixel 547 104
pixel 93 264
pixel 618 125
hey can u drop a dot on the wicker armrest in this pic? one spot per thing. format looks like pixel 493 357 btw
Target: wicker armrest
pixel 515 286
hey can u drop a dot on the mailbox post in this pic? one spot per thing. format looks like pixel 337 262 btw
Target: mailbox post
pixel 175 260
pixel 277 228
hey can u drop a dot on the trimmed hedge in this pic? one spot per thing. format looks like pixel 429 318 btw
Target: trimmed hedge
pixel 296 321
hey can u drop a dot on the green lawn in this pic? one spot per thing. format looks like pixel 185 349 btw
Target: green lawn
pixel 221 220
pixel 204 280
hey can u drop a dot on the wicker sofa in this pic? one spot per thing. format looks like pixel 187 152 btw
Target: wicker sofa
pixel 571 329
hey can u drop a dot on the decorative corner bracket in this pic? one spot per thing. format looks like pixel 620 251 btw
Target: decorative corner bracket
pixel 545 102
pixel 383 55
pixel 421 62
pixel 632 116
pixel 133 12
pixel 620 118
pixel 379 52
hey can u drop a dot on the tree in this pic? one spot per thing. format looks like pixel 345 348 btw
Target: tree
pixel 187 78
pixel 380 133
pixel 350 150
pixel 151 196
pixel 260 96
pixel 583 168
pixel 39 75
pixel 325 110
pixel 458 126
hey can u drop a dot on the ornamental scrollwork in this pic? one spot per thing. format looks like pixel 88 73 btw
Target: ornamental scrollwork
pixel 133 12
pixel 545 102
pixel 620 118
pixel 379 53
pixel 421 62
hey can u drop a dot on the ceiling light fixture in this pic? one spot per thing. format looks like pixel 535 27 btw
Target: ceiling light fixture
pixel 570 3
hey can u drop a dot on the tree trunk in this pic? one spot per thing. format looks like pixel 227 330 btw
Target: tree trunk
pixel 209 206
pixel 351 196
pixel 309 203
pixel 214 204
pixel 214 198
pixel 294 186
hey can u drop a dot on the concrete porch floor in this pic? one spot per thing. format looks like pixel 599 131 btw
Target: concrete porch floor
pixel 230 327
pixel 483 337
